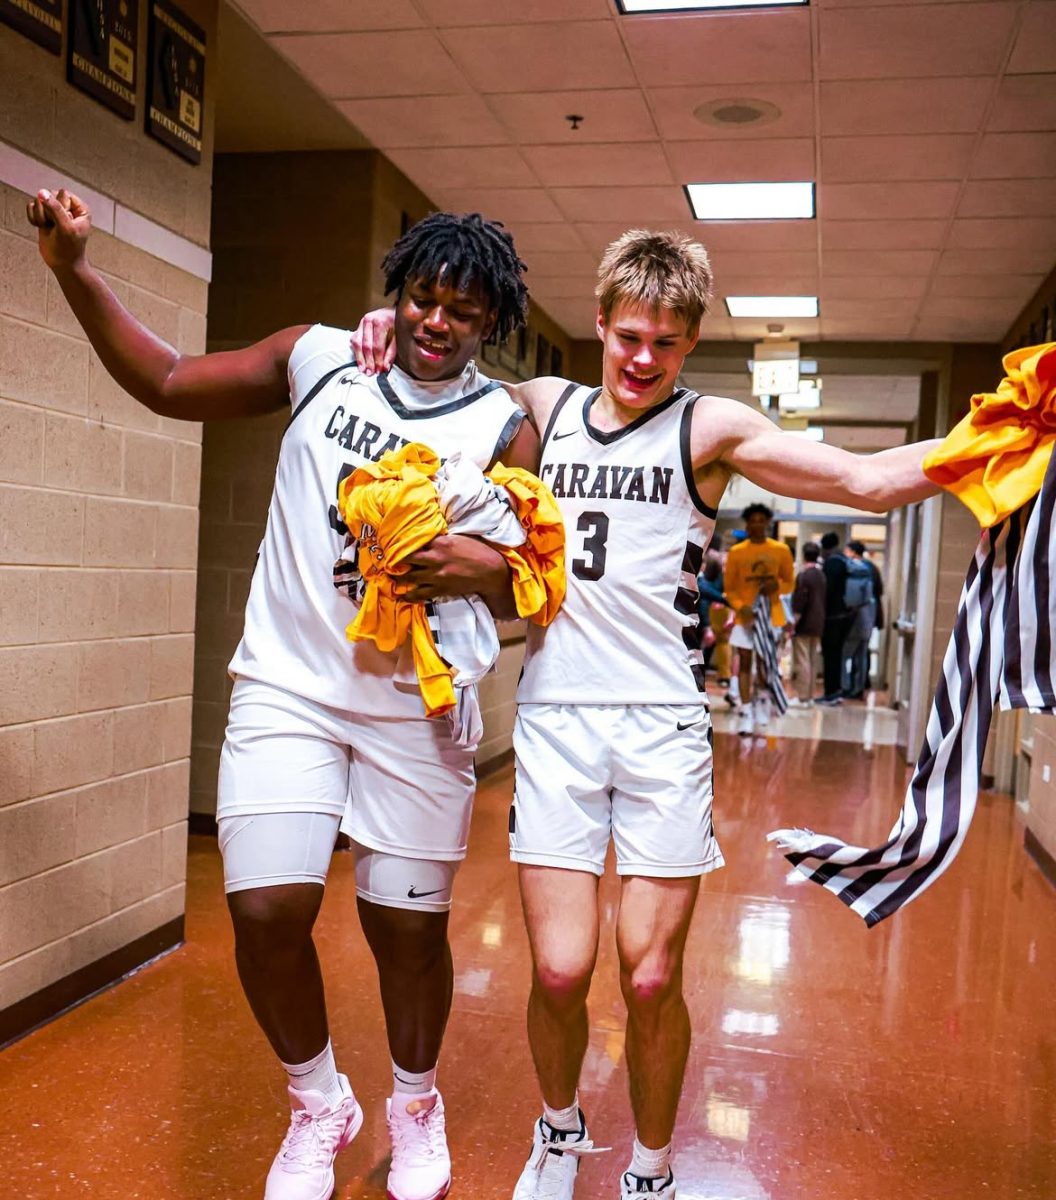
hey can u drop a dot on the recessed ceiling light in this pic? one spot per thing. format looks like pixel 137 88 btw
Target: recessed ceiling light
pixel 751 201
pixel 655 6
pixel 772 306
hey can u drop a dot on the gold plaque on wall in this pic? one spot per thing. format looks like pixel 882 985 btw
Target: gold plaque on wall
pixel 175 80
pixel 39 20
pixel 101 56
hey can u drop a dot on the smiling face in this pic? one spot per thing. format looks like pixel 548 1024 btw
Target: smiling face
pixel 643 353
pixel 439 327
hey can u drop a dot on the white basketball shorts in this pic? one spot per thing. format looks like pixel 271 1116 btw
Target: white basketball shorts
pixel 638 773
pixel 396 784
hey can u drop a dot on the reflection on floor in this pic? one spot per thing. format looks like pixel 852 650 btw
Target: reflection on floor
pixel 917 1059
pixel 867 722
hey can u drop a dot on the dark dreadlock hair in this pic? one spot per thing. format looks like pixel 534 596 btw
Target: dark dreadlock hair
pixel 467 251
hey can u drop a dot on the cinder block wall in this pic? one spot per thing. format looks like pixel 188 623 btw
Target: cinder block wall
pixel 98 551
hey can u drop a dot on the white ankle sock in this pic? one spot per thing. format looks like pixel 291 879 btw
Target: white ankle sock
pixel 318 1074
pixel 563 1118
pixel 649 1164
pixel 412 1083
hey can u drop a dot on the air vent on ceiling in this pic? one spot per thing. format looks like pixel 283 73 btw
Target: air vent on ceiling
pixel 737 112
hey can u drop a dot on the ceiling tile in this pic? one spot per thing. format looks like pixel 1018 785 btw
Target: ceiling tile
pixel 872 306
pixel 598 164
pixel 998 312
pixel 925 40
pixel 345 65
pixel 883 235
pixel 759 236
pixel 854 287
pixel 329 16
pixel 848 201
pixel 564 287
pixel 952 329
pixel 771 160
pixel 443 13
pixel 530 235
pixel 508 205
pixel 993 198
pixel 987 287
pixel 1015 156
pixel 561 263
pixel 645 204
pixel 753 262
pixel 1035 49
pixel 425 121
pixel 576 317
pixel 464 167
pixel 609 115
pixel 753 330
pixel 876 106
pixel 736 283
pixel 675 109
pixel 721 48
pixel 558 56
pixel 866 159
pixel 982 233
pixel 865 330
pixel 877 262
pixel 1025 102
pixel 1007 261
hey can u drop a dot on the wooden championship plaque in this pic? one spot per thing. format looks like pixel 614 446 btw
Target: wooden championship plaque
pixel 101 54
pixel 39 20
pixel 175 80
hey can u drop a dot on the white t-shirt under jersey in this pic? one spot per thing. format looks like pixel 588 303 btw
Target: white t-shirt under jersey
pixel 294 633
pixel 635 534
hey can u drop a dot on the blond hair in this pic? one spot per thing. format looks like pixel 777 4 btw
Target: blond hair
pixel 658 271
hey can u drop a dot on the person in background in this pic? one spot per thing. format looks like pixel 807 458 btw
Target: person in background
pixel 808 616
pixel 715 614
pixel 758 565
pixel 837 618
pixel 862 597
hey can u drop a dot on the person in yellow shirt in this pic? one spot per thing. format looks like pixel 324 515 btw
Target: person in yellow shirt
pixel 759 564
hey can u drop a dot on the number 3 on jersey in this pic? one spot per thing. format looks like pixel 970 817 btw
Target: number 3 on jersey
pixel 597 525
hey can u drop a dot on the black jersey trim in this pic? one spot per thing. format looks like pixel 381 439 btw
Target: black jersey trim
pixel 316 388
pixel 614 435
pixel 555 413
pixel 685 450
pixel 509 432
pixel 414 414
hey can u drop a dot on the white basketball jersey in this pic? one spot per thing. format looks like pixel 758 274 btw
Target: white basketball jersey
pixel 635 534
pixel 294 634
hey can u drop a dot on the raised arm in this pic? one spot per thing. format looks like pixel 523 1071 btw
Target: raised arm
pixel 742 440
pixel 235 383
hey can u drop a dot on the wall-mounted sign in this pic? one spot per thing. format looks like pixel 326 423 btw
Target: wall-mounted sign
pixel 176 80
pixel 101 56
pixel 40 20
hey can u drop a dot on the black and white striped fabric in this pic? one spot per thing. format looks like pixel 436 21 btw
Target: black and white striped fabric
pixel 1001 650
pixel 764 644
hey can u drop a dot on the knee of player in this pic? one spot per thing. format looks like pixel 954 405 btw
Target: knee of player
pixel 651 983
pixel 412 939
pixel 564 983
pixel 270 920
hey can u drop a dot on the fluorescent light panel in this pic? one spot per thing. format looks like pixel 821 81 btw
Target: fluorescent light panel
pixel 772 306
pixel 751 201
pixel 653 6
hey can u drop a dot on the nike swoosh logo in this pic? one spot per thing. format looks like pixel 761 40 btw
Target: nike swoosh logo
pixel 558 436
pixel 688 724
pixel 413 895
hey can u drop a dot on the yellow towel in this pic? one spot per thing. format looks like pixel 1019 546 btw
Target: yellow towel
pixel 994 460
pixel 392 508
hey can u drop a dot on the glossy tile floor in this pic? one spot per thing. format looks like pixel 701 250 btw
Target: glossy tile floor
pixel 867 723
pixel 917 1059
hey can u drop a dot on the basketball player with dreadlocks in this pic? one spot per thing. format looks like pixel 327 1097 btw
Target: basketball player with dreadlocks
pixel 316 722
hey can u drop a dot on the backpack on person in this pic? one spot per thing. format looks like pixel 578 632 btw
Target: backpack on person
pixel 859 587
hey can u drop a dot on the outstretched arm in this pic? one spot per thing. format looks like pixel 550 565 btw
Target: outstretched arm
pixel 190 387
pixel 792 466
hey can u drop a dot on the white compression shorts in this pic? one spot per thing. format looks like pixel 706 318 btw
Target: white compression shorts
pixel 400 788
pixel 272 849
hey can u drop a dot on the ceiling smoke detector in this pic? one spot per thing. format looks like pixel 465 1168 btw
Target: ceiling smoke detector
pixel 737 112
